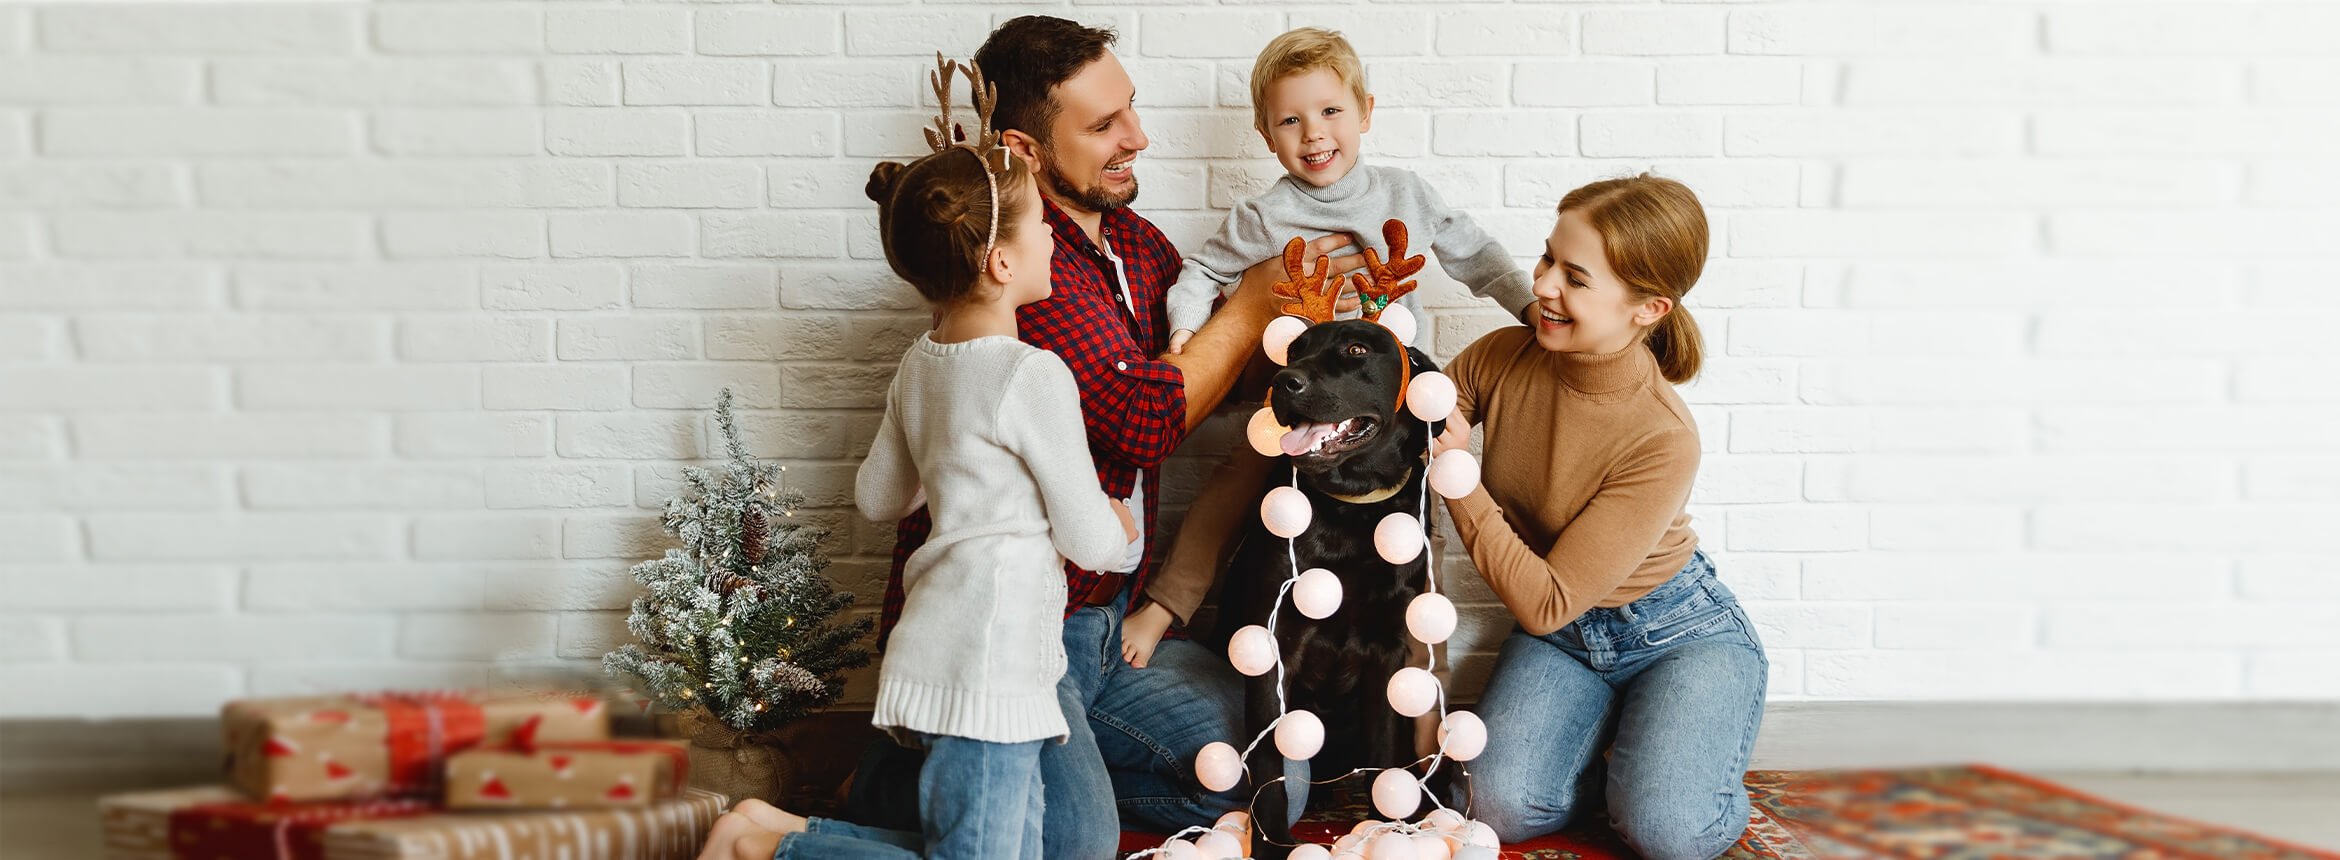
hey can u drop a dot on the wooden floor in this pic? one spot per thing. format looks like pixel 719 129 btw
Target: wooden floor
pixel 2302 808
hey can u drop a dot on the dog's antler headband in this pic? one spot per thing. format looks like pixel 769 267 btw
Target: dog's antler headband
pixel 946 134
pixel 1311 296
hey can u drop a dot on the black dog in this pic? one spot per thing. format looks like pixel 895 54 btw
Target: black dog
pixel 1340 389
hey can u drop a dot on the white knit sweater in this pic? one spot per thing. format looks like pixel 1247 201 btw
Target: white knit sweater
pixel 992 428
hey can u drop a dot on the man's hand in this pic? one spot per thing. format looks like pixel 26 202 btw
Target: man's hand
pixel 1128 523
pixel 1271 270
pixel 1141 632
pixel 1426 734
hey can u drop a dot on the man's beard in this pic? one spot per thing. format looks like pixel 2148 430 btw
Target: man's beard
pixel 1093 198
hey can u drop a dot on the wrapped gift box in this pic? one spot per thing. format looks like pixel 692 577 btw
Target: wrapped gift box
pixel 571 775
pixel 215 822
pixel 385 744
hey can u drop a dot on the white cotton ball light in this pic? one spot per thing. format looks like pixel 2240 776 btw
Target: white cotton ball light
pixel 1453 475
pixel 1431 396
pixel 1348 846
pixel 1277 340
pixel 1286 512
pixel 1252 650
pixel 1398 538
pixel 1265 434
pixel 1413 691
pixel 1430 618
pixel 1431 846
pixel 1399 321
pixel 1479 834
pixel 1390 846
pixel 1317 593
pixel 1396 793
pixel 1462 735
pixel 1443 819
pixel 1299 735
pixel 1238 821
pixel 1310 851
pixel 1179 849
pixel 1218 767
pixel 1218 845
pixel 1475 852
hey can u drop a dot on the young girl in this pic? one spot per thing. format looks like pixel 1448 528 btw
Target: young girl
pixel 992 429
pixel 1629 655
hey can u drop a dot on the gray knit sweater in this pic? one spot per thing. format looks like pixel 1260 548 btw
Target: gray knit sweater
pixel 1259 228
pixel 992 428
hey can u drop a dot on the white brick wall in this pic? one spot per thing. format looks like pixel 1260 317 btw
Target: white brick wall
pixel 347 345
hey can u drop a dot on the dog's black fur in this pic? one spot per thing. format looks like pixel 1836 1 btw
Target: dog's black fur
pixel 1338 667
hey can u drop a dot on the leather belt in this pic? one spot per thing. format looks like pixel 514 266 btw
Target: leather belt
pixel 1101 592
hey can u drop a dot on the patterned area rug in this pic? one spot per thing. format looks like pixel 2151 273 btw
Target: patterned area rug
pixel 1947 813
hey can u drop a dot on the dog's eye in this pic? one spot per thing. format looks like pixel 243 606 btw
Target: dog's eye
pixel 1354 349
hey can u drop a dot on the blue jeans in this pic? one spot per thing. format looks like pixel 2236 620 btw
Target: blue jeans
pixel 978 800
pixel 1135 733
pixel 1672 684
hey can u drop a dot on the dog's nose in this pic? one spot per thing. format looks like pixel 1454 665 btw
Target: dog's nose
pixel 1291 382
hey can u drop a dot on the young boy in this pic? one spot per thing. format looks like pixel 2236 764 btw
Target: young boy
pixel 1308 101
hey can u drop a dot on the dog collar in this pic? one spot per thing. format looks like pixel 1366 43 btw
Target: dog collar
pixel 1377 495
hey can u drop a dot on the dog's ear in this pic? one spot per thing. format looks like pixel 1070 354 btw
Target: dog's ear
pixel 1420 360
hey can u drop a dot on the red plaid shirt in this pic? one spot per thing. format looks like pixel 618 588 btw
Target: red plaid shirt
pixel 1134 406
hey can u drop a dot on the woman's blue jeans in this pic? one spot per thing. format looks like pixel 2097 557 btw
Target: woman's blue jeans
pixel 1670 685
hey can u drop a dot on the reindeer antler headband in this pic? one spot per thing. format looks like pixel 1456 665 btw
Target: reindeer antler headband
pixel 1311 295
pixel 946 135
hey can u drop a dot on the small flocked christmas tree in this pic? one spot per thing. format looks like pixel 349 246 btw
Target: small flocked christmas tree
pixel 740 621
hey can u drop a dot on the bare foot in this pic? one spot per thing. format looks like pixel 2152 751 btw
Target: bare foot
pixel 725 836
pixel 771 817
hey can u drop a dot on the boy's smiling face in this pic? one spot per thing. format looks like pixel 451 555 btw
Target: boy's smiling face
pixel 1313 122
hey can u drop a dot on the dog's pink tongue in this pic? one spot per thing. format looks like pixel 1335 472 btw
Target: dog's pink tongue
pixel 1305 437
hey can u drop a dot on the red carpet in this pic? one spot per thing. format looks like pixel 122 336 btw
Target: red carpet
pixel 1947 813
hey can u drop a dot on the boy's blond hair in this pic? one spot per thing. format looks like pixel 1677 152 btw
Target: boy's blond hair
pixel 1297 53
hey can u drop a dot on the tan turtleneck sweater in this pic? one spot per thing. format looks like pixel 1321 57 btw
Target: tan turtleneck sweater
pixel 1588 462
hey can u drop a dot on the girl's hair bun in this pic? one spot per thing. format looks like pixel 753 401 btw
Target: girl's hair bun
pixel 882 180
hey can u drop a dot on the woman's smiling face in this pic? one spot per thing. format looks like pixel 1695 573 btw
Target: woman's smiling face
pixel 1580 304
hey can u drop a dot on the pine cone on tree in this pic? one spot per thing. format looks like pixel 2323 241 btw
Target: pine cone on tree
pixel 755 534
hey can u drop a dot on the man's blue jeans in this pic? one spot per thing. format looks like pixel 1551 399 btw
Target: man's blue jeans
pixel 1135 733
pixel 1670 684
pixel 978 800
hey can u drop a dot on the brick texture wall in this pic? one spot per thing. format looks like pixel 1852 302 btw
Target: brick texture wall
pixel 349 345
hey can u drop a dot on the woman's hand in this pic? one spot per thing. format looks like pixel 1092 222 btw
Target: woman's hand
pixel 1456 438
pixel 1141 632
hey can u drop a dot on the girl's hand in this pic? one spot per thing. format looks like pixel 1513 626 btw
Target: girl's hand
pixel 1178 341
pixel 1456 438
pixel 1141 632
pixel 1128 523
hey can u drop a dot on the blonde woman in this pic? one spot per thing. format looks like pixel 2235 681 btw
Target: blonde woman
pixel 1633 675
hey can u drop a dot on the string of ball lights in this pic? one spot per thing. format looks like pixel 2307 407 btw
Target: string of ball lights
pixel 1399 538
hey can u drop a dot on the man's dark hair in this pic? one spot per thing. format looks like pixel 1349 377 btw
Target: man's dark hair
pixel 1029 56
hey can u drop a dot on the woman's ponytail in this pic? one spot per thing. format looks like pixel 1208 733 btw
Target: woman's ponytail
pixel 1677 344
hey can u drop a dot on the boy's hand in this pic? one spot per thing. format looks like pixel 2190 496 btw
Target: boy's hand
pixel 1128 523
pixel 1141 632
pixel 1178 340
